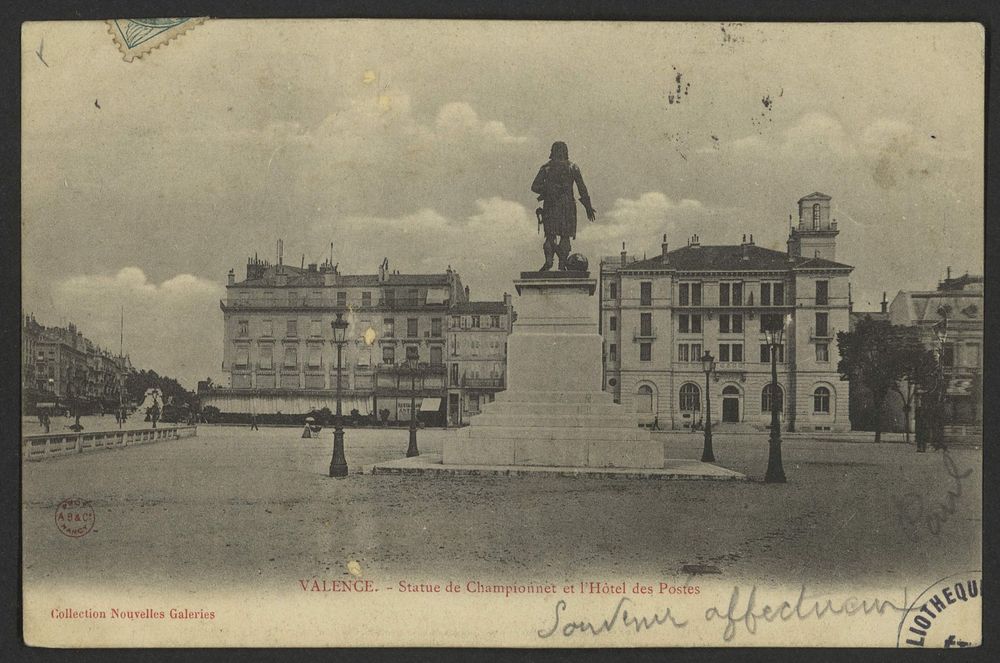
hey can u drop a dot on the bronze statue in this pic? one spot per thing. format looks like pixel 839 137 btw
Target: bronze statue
pixel 554 186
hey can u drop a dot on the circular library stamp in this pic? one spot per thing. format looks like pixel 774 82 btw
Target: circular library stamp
pixel 948 614
pixel 75 517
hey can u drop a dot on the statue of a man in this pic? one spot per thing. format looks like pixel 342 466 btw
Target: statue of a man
pixel 554 186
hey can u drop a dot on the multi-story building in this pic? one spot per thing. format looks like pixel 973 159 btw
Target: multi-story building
pixel 280 355
pixel 60 364
pixel 956 307
pixel 659 315
pixel 477 355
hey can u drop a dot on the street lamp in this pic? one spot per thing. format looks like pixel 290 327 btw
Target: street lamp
pixel 411 450
pixel 338 464
pixel 708 365
pixel 775 471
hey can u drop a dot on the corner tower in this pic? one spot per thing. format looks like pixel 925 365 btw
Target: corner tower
pixel 816 234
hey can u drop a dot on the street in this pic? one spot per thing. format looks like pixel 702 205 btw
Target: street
pixel 234 505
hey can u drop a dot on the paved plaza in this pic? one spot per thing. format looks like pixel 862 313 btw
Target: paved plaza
pixel 232 506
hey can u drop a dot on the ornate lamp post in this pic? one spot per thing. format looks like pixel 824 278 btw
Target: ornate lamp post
pixel 411 450
pixel 708 365
pixel 775 470
pixel 338 464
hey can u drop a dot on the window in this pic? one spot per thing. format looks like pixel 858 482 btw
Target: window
pixel 315 356
pixel 342 299
pixel 730 352
pixel 269 298
pixel 266 354
pixel 684 294
pixel 644 399
pixel 244 297
pixel 456 322
pixel 267 328
pixel 971 355
pixel 822 324
pixel 454 375
pixel 243 328
pixel 645 351
pixel 947 355
pixel 646 293
pixel 293 298
pixel 613 323
pixel 436 358
pixel 412 296
pixel 696 324
pixel 736 349
pixel 724 352
pixel 613 352
pixel 771 321
pixel 690 398
pixel 695 294
pixel 816 216
pixel 389 354
pixel 696 352
pixel 646 324
pixel 724 323
pixel 737 322
pixel 778 293
pixel 495 321
pixel 314 328
pixel 242 356
pixel 822 352
pixel 765 294
pixel 390 297
pixel 366 298
pixel 682 352
pixel 684 323
pixel 765 399
pixel 475 322
pixel 291 356
pixel 411 327
pixel 821 400
pixel 612 291
pixel 737 298
pixel 822 293
pixel 292 328
pixel 724 294
pixel 436 327
pixel 389 327
pixel 765 353
pixel 412 353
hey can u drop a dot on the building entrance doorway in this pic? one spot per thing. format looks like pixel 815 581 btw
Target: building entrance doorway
pixel 730 404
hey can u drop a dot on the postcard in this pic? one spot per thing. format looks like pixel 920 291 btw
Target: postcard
pixel 502 333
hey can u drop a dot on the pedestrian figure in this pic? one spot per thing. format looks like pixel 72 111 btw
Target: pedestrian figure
pixel 253 422
pixel 656 422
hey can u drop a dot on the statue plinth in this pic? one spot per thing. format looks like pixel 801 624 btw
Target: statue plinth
pixel 554 412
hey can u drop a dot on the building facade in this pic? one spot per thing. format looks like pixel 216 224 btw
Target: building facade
pixel 957 307
pixel 280 356
pixel 659 315
pixel 59 365
pixel 477 355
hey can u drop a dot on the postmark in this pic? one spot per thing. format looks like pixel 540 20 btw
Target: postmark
pixel 948 614
pixel 135 37
pixel 75 517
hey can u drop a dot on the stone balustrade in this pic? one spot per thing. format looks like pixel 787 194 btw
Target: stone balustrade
pixel 47 445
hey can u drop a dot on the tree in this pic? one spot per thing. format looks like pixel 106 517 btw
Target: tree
pixel 921 372
pixel 876 356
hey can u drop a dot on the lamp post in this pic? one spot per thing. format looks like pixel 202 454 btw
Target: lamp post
pixel 338 464
pixel 411 450
pixel 775 470
pixel 708 365
pixel 937 420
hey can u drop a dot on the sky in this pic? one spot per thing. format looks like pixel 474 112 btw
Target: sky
pixel 144 183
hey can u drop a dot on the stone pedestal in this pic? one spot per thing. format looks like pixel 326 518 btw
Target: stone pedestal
pixel 554 412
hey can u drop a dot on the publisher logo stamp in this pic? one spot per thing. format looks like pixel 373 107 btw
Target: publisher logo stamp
pixel 75 517
pixel 948 614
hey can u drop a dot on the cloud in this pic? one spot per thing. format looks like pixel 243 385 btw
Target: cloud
pixel 460 119
pixel 173 327
pixel 814 135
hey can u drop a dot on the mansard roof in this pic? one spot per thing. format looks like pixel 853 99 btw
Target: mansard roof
pixel 729 258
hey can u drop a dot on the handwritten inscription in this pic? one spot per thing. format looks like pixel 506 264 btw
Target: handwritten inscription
pixel 620 618
pixel 914 508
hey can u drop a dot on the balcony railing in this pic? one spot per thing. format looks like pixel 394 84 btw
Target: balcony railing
pixel 483 383
pixel 643 334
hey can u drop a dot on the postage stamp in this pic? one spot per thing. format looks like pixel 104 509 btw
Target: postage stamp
pixel 135 37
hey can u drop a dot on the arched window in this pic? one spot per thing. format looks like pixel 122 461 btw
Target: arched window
pixel 821 400
pixel 816 216
pixel 731 391
pixel 690 398
pixel 765 399
pixel 644 399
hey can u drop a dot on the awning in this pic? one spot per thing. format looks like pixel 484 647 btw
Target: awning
pixel 45 405
pixel 436 295
pixel 430 405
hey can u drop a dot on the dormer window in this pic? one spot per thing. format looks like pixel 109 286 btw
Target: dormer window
pixel 816 216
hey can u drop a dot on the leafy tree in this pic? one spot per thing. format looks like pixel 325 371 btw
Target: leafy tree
pixel 878 355
pixel 921 373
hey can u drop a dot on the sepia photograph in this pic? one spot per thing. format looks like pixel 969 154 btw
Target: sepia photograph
pixel 482 333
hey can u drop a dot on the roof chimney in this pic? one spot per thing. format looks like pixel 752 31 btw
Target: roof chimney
pixel 466 293
pixel 885 303
pixel 664 246
pixel 506 299
pixel 624 254
pixel 949 273
pixel 232 277
pixel 694 242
